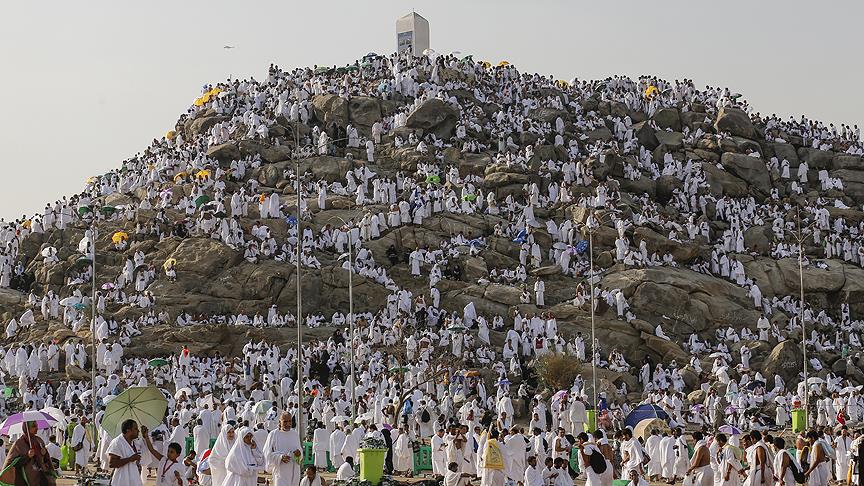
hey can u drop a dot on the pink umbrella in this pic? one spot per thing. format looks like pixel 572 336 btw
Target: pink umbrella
pixel 14 424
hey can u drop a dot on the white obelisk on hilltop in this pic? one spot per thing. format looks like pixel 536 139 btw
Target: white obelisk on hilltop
pixel 412 32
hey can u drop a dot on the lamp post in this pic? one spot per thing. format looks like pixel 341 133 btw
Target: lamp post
pixel 350 256
pixel 93 230
pixel 592 223
pixel 800 236
pixel 299 192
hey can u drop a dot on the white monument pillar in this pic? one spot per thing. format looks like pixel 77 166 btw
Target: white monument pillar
pixel 412 33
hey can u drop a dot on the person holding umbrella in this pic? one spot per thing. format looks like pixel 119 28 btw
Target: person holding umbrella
pixel 124 456
pixel 28 462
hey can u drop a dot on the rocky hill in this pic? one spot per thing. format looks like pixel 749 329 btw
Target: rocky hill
pixel 729 150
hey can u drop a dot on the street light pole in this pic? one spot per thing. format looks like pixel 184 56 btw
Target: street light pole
pixel 593 339
pixel 93 321
pixel 351 322
pixel 351 325
pixel 801 312
pixel 299 292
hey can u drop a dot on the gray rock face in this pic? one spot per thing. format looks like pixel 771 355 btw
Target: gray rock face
pixel 331 108
pixel 668 118
pixel 734 121
pixel 434 116
pixel 750 169
pixel 364 111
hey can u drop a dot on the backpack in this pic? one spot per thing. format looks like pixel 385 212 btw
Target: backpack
pixel 597 462
pixel 797 473
pixel 425 417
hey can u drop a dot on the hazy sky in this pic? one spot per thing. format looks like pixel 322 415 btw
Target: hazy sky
pixel 88 83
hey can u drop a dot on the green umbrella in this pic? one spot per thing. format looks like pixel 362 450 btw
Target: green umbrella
pixel 144 404
pixel 157 362
pixel 469 197
pixel 456 328
pixel 321 69
pixel 201 200
pixel 398 369
pixel 433 179
pixel 84 210
pixel 108 210
pixel 353 67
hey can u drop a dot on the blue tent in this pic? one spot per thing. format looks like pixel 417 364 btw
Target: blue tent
pixel 643 412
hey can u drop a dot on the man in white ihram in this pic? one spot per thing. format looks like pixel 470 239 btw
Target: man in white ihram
pixel 282 454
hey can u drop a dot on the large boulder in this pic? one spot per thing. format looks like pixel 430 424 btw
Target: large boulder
pixel 785 360
pixel 330 108
pixel 364 110
pixel 736 122
pixel 645 134
pixel 682 300
pixel 667 118
pixel 751 169
pixel 203 257
pixel 815 158
pixel 434 116
pixel 225 152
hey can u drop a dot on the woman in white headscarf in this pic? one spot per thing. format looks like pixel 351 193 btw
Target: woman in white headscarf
pixel 219 454
pixel 241 464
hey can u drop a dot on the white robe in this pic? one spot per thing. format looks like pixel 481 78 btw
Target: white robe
pixel 281 443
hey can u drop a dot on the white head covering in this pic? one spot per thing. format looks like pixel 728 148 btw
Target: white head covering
pixel 222 446
pixel 240 459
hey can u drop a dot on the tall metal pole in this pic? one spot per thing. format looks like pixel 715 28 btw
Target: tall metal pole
pixel 93 322
pixel 801 313
pixel 351 325
pixel 593 339
pixel 299 293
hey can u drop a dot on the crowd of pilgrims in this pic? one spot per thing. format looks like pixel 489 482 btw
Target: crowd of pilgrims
pixel 427 398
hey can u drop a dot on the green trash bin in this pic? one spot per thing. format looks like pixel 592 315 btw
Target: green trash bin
pixel 308 459
pixel 189 445
pixel 591 423
pixel 423 459
pixel 372 464
pixel 799 420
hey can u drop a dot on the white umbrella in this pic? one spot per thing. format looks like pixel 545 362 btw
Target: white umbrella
pixel 27 318
pixel 340 419
pixel 57 415
pixel 815 381
pixel 70 301
pixel 179 392
pixel 717 354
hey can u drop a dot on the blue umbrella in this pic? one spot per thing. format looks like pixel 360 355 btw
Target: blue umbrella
pixel 582 247
pixel 643 412
pixel 521 236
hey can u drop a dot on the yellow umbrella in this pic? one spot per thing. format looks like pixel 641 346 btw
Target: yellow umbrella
pixel 119 236
pixel 651 91
pixel 562 84
pixel 202 174
pixel 503 63
pixel 643 428
pixel 180 175
pixel 486 64
pixel 91 179
pixel 168 263
pixel 214 92
pixel 198 102
pixel 170 134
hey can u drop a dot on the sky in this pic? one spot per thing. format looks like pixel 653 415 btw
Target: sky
pixel 87 84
